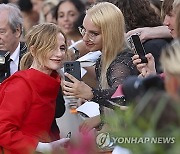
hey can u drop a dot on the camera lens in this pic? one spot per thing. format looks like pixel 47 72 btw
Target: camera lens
pixel 67 65
pixel 67 70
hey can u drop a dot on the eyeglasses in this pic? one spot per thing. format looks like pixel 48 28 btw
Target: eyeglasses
pixel 91 35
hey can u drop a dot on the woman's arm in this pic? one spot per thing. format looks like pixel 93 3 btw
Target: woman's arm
pixel 117 73
pixel 14 104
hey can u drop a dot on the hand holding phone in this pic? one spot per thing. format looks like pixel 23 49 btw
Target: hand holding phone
pixel 137 46
pixel 73 68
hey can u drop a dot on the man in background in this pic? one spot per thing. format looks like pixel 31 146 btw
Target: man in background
pixel 10 32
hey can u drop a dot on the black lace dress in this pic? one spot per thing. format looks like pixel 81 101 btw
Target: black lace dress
pixel 118 71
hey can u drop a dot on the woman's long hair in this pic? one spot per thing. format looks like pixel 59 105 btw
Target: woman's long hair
pixel 110 20
pixel 43 39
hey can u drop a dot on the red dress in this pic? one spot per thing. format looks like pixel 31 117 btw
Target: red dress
pixel 27 107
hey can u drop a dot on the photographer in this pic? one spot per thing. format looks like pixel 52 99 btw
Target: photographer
pixel 11 29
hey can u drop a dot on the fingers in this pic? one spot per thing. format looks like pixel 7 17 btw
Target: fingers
pixel 67 88
pixel 136 60
pixel 135 57
pixel 67 93
pixel 56 145
pixel 67 84
pixel 149 56
pixel 72 78
pixel 63 141
pixel 83 128
pixel 141 66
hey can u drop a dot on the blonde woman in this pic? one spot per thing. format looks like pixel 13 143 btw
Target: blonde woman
pixel 170 60
pixel 176 7
pixel 28 97
pixel 103 29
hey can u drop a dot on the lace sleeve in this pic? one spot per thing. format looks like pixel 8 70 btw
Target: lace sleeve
pixel 118 71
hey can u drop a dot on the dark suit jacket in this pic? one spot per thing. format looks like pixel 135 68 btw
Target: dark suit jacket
pixel 60 103
pixel 23 49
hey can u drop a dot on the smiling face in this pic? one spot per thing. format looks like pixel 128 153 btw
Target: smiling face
pixel 54 59
pixel 169 21
pixel 67 15
pixel 90 29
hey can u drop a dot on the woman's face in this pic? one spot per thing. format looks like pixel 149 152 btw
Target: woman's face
pixel 92 35
pixel 67 15
pixel 55 58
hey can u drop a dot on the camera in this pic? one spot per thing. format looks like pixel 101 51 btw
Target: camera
pixel 134 86
pixel 4 65
pixel 73 68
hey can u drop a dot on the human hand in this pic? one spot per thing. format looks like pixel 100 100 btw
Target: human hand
pixel 52 146
pixel 76 88
pixel 55 145
pixel 144 33
pixel 89 124
pixel 145 69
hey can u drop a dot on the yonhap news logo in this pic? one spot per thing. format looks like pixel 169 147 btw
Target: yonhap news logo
pixel 104 140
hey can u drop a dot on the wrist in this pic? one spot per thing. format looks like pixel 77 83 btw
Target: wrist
pixel 91 94
pixel 43 147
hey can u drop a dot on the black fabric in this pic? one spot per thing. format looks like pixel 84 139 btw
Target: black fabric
pixel 118 71
pixel 155 46
pixel 60 109
pixel 23 49
pixel 9 73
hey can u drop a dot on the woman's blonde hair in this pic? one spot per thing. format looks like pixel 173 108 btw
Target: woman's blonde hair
pixel 176 7
pixel 170 58
pixel 176 4
pixel 178 23
pixel 41 39
pixel 110 20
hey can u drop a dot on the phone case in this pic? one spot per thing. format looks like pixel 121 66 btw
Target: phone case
pixel 138 48
pixel 73 68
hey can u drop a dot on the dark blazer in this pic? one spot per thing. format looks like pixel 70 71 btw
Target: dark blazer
pixel 23 49
pixel 60 103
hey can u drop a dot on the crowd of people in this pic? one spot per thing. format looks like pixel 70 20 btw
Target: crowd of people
pixel 40 35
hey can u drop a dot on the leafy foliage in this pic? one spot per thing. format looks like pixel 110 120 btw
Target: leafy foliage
pixel 152 125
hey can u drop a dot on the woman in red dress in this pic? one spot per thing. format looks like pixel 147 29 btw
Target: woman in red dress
pixel 28 98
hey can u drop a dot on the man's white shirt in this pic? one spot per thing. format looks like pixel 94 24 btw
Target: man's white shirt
pixel 14 60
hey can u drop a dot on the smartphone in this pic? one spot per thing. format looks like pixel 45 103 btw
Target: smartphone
pixel 138 48
pixel 73 68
